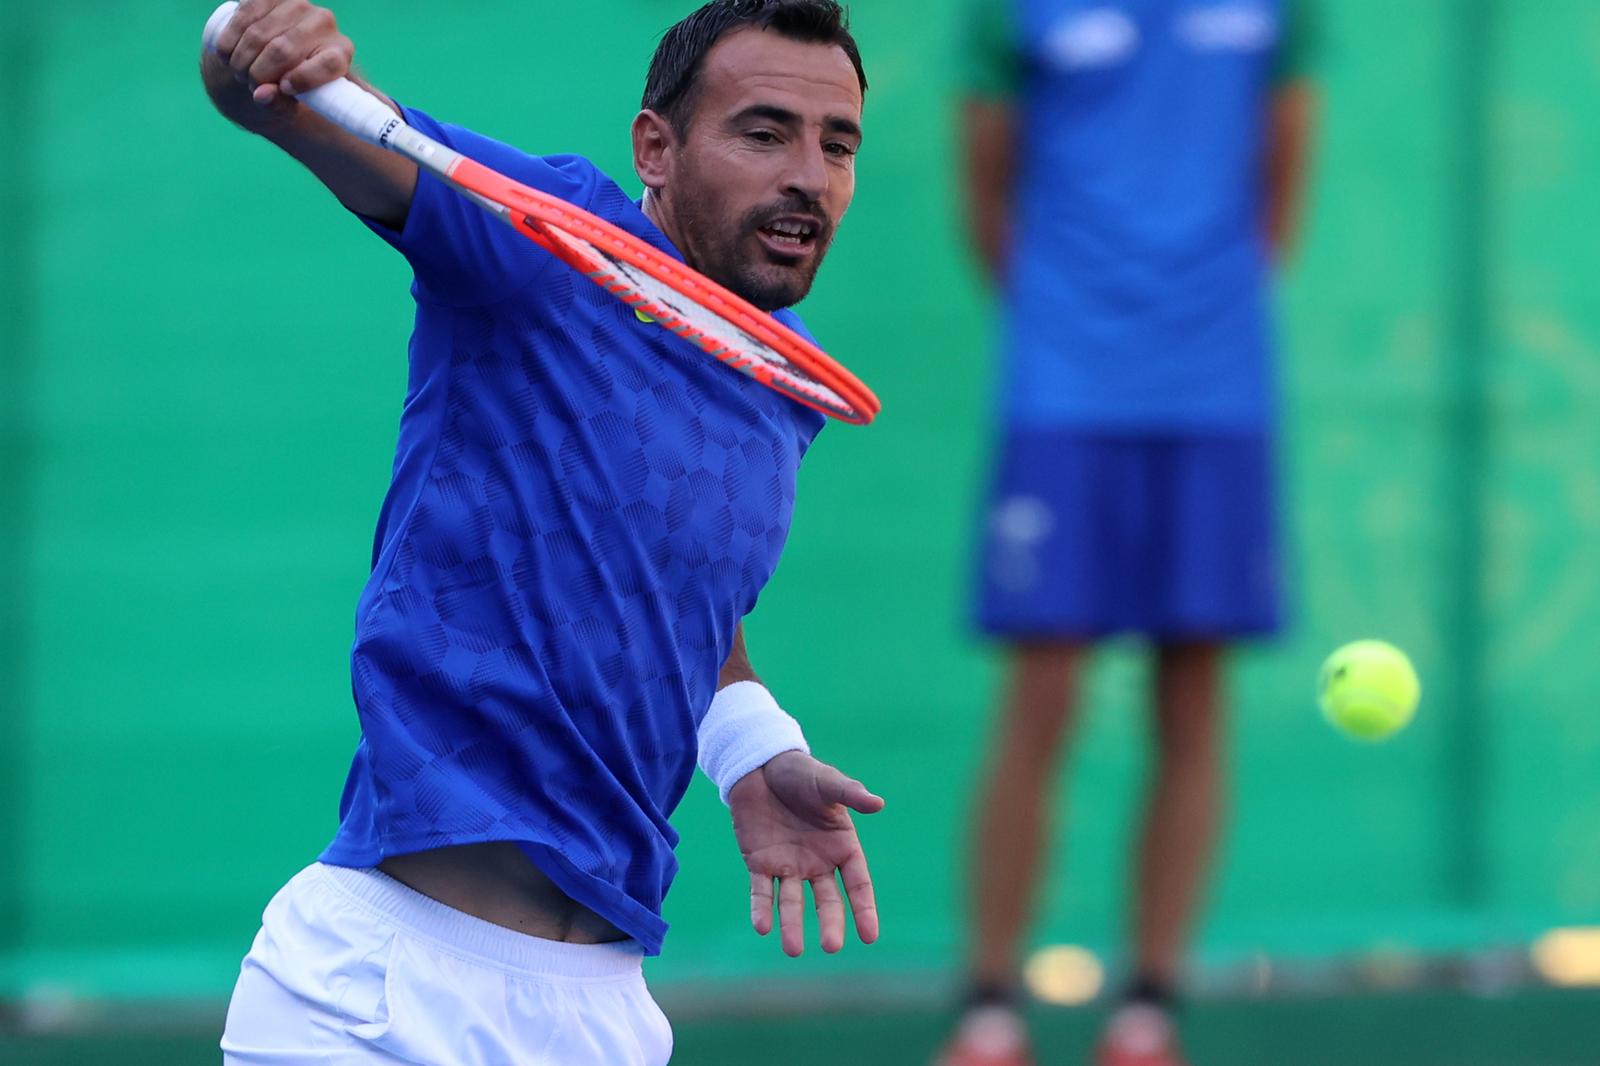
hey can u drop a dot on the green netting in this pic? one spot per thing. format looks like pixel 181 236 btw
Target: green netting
pixel 198 432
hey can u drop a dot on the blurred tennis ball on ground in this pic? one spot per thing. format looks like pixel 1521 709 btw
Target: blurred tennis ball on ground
pixel 1368 690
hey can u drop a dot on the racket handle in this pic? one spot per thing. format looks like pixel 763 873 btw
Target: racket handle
pixel 215 24
pixel 343 102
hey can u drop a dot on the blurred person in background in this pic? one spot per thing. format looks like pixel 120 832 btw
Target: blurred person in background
pixel 1134 169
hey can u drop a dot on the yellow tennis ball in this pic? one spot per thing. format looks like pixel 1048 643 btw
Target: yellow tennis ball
pixel 1368 690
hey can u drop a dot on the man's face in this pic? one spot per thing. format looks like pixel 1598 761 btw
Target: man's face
pixel 763 174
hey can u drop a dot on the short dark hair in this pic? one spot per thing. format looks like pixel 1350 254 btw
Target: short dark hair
pixel 671 86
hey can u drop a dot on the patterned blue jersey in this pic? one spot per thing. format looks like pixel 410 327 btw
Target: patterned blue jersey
pixel 583 508
pixel 1136 291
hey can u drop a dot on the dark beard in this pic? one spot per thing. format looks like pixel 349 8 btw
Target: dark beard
pixel 769 286
pixel 773 292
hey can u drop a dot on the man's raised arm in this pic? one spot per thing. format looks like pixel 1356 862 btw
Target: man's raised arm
pixel 273 50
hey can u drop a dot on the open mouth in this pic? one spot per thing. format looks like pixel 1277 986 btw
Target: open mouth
pixel 791 236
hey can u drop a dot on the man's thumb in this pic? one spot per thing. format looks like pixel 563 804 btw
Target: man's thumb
pixel 852 793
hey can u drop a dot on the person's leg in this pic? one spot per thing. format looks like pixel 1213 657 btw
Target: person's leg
pixel 1182 813
pixel 1181 816
pixel 1013 816
pixel 1213 562
pixel 1208 531
pixel 1051 581
pixel 1011 836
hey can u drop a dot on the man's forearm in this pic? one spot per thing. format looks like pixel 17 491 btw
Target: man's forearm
pixel 1290 125
pixel 737 666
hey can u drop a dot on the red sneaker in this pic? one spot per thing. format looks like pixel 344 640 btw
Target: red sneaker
pixel 1139 1035
pixel 988 1036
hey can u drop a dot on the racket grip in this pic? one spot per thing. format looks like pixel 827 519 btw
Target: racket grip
pixel 216 23
pixel 343 102
pixel 350 107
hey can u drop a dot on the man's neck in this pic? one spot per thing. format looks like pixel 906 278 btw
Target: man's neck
pixel 662 218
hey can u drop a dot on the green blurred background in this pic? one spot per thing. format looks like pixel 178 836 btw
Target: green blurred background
pixel 201 369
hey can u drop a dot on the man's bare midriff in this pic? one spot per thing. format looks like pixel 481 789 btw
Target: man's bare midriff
pixel 497 883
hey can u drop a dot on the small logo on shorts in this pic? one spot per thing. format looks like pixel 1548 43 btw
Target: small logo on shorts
pixel 1018 525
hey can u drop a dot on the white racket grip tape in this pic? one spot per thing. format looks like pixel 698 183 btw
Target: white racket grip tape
pixel 343 102
pixel 350 107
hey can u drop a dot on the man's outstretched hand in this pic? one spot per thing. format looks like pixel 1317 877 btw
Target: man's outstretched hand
pixel 792 821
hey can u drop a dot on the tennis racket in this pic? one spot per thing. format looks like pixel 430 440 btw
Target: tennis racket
pixel 679 298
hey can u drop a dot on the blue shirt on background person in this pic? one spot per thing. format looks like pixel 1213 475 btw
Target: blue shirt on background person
pixel 1135 292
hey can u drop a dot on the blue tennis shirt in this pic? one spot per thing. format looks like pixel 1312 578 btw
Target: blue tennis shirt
pixel 583 508
pixel 1136 291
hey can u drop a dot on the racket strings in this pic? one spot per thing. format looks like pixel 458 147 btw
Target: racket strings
pixel 738 345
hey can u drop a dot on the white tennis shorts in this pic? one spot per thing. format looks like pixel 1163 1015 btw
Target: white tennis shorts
pixel 351 966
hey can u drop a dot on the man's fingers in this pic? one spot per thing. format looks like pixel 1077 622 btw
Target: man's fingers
pixel 327 65
pixel 294 44
pixel 761 903
pixel 830 912
pixel 792 915
pixel 261 35
pixel 863 903
pixel 280 55
pixel 244 16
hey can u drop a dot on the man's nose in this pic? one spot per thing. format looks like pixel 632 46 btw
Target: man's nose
pixel 808 172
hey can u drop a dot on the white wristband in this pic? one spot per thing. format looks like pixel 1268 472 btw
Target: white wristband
pixel 743 729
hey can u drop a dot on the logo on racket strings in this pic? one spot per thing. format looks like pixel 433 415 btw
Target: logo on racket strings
pixel 630 296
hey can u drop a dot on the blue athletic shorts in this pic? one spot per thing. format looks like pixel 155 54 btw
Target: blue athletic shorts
pixel 1086 536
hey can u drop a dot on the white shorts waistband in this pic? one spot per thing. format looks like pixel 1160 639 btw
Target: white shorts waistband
pixel 461 933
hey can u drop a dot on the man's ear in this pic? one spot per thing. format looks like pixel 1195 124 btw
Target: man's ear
pixel 654 141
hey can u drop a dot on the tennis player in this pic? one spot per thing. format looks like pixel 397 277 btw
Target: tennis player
pixel 1134 166
pixel 583 509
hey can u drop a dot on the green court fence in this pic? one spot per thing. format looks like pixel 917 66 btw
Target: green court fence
pixel 201 368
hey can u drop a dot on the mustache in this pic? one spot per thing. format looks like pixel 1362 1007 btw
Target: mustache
pixel 792 205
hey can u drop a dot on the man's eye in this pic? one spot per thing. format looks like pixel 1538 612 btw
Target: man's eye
pixel 762 136
pixel 840 148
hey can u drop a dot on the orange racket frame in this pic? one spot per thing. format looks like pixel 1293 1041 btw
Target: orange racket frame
pixel 535 214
